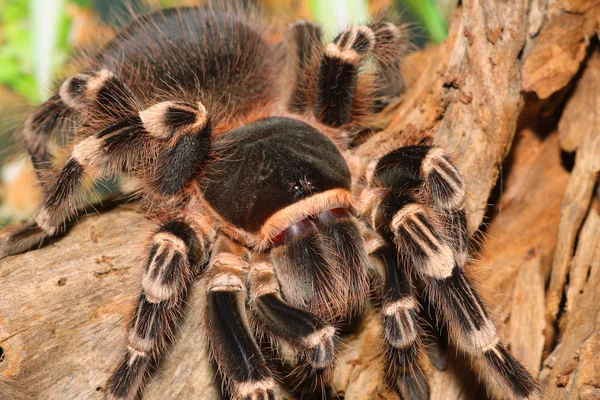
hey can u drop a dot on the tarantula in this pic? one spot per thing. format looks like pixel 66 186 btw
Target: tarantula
pixel 243 144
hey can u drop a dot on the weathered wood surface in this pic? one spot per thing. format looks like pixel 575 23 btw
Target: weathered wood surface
pixel 64 313
pixel 493 94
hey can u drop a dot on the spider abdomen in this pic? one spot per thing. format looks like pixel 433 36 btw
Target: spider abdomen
pixel 193 51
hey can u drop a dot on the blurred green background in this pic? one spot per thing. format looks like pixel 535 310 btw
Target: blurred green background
pixel 37 38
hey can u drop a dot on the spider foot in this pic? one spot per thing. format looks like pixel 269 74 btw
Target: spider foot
pixel 399 311
pixel 322 349
pixel 400 322
pixel 257 390
pixel 443 181
pixel 406 373
pixel 27 237
pixel 128 376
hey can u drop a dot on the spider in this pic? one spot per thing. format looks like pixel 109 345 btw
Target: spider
pixel 243 144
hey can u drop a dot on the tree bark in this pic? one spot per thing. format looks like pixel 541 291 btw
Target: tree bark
pixel 514 93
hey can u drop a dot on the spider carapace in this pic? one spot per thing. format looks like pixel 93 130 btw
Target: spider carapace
pixel 243 142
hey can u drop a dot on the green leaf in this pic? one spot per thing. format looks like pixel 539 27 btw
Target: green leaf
pixel 334 16
pixel 428 14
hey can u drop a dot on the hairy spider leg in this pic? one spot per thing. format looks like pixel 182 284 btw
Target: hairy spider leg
pixel 233 347
pixel 399 312
pixel 392 43
pixel 304 47
pixel 231 283
pixel 171 139
pixel 308 334
pixel 176 250
pixel 41 127
pixel 419 183
pixel 333 70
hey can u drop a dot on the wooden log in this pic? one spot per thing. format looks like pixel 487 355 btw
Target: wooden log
pixel 65 308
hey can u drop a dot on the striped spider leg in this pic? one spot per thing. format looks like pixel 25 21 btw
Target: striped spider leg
pixel 163 145
pixel 328 81
pixel 242 293
pixel 177 252
pixel 416 203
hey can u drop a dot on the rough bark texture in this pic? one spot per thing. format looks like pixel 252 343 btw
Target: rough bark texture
pixel 514 93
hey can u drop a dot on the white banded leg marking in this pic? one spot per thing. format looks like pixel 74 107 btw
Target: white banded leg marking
pixel 349 56
pixel 135 354
pixel 97 82
pixel 229 273
pixel 445 182
pixel 352 45
pixel 262 280
pixel 251 390
pixel 73 89
pixel 360 39
pixel 81 87
pixel 163 280
pixel 482 335
pixel 164 119
pixel 44 220
pixel 400 324
pixel 89 153
pixel 416 235
pixel 140 344
pixel 319 337
pixel 403 304
pixel 480 340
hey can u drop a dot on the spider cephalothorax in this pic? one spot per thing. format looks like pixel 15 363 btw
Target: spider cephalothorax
pixel 241 144
pixel 292 200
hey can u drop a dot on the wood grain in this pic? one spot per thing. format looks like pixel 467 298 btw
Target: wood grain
pixel 582 113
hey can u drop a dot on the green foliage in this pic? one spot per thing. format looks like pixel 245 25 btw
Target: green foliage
pixel 327 13
pixel 428 14
pixel 17 59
